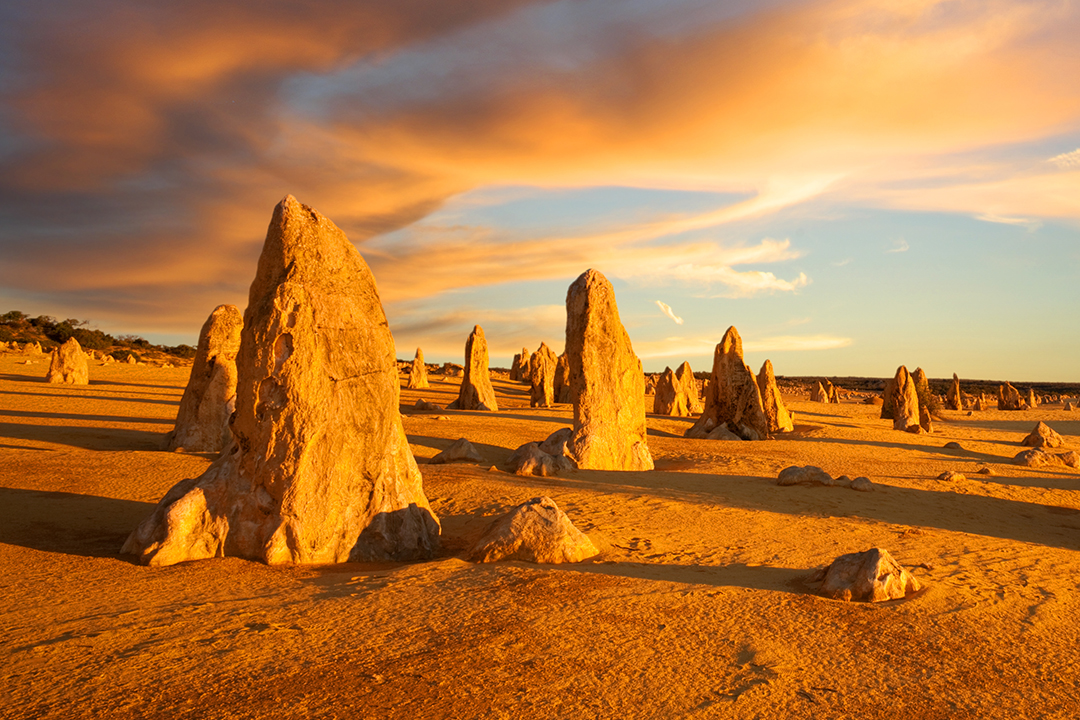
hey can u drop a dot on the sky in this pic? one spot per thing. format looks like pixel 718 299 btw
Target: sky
pixel 853 184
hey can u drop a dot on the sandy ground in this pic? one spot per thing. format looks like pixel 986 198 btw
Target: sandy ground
pixel 697 607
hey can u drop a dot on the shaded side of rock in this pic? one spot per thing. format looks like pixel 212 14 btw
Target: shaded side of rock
pixel 536 531
pixel 542 377
pixel 460 451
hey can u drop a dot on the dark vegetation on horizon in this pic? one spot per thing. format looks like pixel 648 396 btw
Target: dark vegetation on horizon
pixel 50 332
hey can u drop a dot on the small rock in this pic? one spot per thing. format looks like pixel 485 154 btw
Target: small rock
pixel 870 576
pixel 461 451
pixel 862 484
pixel 809 475
pixel 985 471
pixel 529 459
pixel 1070 459
pixel 424 405
pixel 950 476
pixel 1036 457
pixel 536 531
pixel 952 446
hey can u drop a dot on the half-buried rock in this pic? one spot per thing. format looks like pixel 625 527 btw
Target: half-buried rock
pixel 776 414
pixel 732 398
pixel 418 372
pixel 869 576
pixel 461 450
pixel 536 531
pixel 606 381
pixel 476 392
pixel 69 365
pixel 320 470
pixel 202 422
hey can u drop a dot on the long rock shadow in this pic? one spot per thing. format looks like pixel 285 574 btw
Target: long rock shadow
pixel 110 398
pixel 1049 525
pixel 87 438
pixel 69 523
pixel 493 454
pixel 761 577
pixel 75 416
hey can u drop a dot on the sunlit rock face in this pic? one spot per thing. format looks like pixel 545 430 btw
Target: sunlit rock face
pixel 69 365
pixel 542 377
pixel 776 414
pixel 732 398
pixel 676 393
pixel 202 421
pixel 418 372
pixel 476 392
pixel 319 470
pixel 607 385
pixel 536 531
pixel 869 576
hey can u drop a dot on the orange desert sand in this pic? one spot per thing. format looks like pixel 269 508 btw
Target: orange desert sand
pixel 698 605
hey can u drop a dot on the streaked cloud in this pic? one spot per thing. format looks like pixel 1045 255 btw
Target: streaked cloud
pixel 666 309
pixel 1067 160
pixel 899 246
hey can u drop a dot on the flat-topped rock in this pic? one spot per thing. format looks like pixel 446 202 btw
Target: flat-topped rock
pixel 320 470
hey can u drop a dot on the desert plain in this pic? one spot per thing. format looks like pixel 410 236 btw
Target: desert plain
pixel 699 604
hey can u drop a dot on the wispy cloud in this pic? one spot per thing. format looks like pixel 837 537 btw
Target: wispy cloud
pixel 666 309
pixel 842 263
pixel 1067 160
pixel 899 246
pixel 1029 223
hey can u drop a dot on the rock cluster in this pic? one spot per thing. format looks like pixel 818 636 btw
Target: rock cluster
pixel 1037 457
pixel 776 415
pixel 202 421
pixel 536 531
pixel 732 399
pixel 870 576
pixel 320 470
pixel 677 393
pixel 606 381
pixel 519 368
pixel 68 365
pixel 476 392
pixel 418 372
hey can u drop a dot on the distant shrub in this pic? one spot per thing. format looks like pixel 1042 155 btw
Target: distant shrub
pixel 181 351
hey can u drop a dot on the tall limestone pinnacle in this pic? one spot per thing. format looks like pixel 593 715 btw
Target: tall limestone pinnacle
pixel 733 398
pixel 607 385
pixel 319 470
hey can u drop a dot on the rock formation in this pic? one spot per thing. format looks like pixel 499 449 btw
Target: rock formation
pixel 870 576
pixel 1032 399
pixel 954 400
pixel 922 385
pixel 536 531
pixel 418 372
pixel 476 392
pixel 776 415
pixel 733 398
pixel 1043 436
pixel 542 377
pixel 519 369
pixel 202 421
pixel 606 381
pixel 461 450
pixel 819 394
pixel 68 365
pixel 833 393
pixel 320 470
pixel 1009 398
pixel 807 475
pixel 901 402
pixel 677 393
pixel 32 348
pixel 562 380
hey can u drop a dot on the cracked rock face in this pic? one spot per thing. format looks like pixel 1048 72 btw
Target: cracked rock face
pixel 606 381
pixel 732 397
pixel 319 470
pixel 202 421
pixel 68 365
pixel 476 392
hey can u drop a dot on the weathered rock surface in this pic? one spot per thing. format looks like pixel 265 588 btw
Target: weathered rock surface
pixel 562 380
pixel 862 484
pixel 776 415
pixel 733 397
pixel 1009 398
pixel 418 372
pixel 519 369
pixel 808 475
pixel 529 459
pixel 953 446
pixel 320 470
pixel 461 450
pixel 819 394
pixel 542 377
pixel 1032 399
pixel 954 399
pixel 536 531
pixel 202 421
pixel 925 421
pixel 677 393
pixel 476 392
pixel 1036 457
pixel 951 476
pixel 69 365
pixel 425 406
pixel 606 381
pixel 871 576
pixel 902 402
pixel 1043 436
